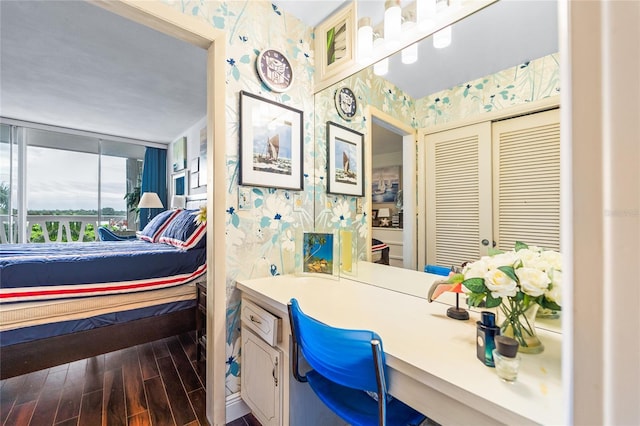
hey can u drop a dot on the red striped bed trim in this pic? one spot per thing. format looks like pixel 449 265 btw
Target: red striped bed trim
pixel 191 242
pixel 98 289
pixel 377 247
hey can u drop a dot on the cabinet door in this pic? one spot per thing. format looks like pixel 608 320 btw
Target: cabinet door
pixel 458 194
pixel 261 379
pixel 526 175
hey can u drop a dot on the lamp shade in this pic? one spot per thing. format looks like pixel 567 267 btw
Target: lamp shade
pixel 384 212
pixel 178 202
pixel 150 200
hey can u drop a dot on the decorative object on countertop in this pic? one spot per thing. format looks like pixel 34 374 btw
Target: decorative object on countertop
pixel 506 359
pixel 487 330
pixel 519 282
pixel 442 286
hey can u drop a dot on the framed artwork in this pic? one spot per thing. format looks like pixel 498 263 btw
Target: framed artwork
pixel 345 160
pixel 179 154
pixel 385 184
pixel 270 143
pixel 274 69
pixel 374 214
pixel 195 181
pixel 195 164
pixel 318 253
pixel 203 157
pixel 179 183
pixel 335 42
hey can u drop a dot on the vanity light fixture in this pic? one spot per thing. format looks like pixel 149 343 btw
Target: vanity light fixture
pixel 442 38
pixel 392 23
pixel 365 40
pixel 382 66
pixel 409 53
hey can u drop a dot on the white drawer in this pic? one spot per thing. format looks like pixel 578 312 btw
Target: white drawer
pixel 263 323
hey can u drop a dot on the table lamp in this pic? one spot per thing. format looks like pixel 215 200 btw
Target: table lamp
pixel 150 200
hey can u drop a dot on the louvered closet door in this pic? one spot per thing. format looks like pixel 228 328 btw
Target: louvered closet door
pixel 458 167
pixel 526 174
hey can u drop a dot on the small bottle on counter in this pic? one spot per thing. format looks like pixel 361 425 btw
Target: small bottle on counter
pixel 486 333
pixel 506 358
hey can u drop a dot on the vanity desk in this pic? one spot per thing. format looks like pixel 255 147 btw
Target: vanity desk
pixel 431 359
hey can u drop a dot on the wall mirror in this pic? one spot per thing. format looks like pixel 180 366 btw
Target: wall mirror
pixel 504 35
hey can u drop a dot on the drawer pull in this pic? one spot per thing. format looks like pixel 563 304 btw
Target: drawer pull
pixel 254 319
pixel 273 372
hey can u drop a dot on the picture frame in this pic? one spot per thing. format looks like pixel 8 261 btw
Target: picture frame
pixel 335 42
pixel 374 214
pixel 194 179
pixel 195 164
pixel 345 160
pixel 318 253
pixel 179 154
pixel 271 143
pixel 180 183
pixel 385 184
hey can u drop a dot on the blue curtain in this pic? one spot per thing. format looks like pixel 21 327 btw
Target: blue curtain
pixel 154 179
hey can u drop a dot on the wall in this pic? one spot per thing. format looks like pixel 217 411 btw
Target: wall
pixel 259 241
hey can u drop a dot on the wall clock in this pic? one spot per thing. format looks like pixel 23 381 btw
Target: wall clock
pixel 274 70
pixel 346 103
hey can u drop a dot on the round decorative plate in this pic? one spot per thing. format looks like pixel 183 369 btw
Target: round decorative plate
pixel 274 70
pixel 346 103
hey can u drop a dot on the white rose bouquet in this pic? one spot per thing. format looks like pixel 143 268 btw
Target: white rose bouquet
pixel 519 282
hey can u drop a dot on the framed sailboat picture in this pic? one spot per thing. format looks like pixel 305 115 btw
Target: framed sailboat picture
pixel 270 143
pixel 345 160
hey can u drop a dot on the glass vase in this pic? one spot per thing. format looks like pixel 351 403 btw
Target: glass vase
pixel 520 324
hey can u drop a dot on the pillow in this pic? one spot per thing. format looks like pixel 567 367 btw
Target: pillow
pixel 154 229
pixel 183 231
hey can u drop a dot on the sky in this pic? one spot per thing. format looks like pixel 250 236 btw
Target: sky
pixel 69 180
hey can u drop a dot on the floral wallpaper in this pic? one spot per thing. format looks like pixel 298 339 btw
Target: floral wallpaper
pixel 260 240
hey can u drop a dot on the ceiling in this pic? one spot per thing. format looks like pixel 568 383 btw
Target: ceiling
pixel 75 65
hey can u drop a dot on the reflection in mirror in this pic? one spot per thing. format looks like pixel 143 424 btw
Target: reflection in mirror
pixel 503 56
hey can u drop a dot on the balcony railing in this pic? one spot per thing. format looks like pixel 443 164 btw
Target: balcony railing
pixel 65 228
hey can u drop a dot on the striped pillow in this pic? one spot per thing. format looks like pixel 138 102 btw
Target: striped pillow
pixel 154 229
pixel 183 232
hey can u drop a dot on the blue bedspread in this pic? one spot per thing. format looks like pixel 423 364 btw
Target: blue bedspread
pixel 63 270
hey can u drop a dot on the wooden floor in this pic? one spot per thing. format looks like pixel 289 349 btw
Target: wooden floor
pixel 158 383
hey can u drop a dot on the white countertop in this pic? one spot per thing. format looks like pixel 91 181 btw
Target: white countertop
pixel 423 344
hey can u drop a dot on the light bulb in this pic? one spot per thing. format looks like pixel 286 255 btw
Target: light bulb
pixel 409 53
pixel 442 38
pixel 392 22
pixel 381 67
pixel 365 40
pixel 425 14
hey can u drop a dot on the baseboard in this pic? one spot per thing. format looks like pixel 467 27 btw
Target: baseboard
pixel 236 407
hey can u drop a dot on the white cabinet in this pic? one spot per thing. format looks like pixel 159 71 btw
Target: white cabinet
pixel 393 238
pixel 261 379
pixel 267 385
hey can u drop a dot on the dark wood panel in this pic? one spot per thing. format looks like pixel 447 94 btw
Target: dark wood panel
pixel 44 353
pixel 198 400
pixel 31 387
pixel 69 406
pixel 91 410
pixel 147 361
pixel 178 399
pixel 136 401
pixel 188 375
pixel 160 349
pixel 21 414
pixel 45 412
pixel 140 419
pixel 115 412
pixel 10 391
pixel 94 375
pixel 158 403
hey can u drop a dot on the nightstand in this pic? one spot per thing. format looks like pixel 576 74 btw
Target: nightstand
pixel 201 321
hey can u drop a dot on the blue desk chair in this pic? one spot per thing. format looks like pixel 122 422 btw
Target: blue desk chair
pixel 346 364
pixel 104 234
pixel 438 270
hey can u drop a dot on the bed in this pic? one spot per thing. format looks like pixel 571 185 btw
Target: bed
pixel 61 302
